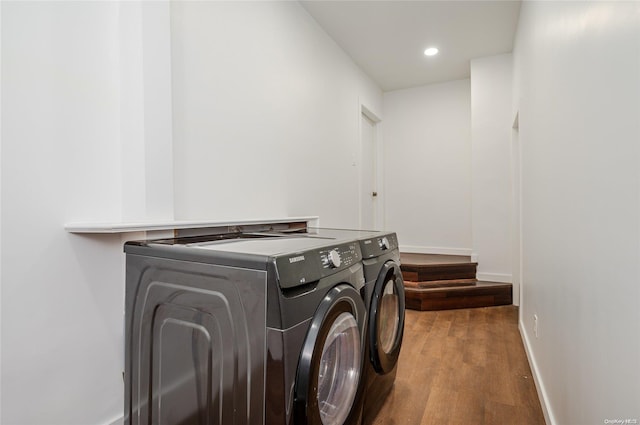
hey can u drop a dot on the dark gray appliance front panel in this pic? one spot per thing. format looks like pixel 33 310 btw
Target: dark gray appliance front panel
pixel 195 346
pixel 290 306
pixel 373 265
pixel 297 269
pixel 374 246
pixel 283 352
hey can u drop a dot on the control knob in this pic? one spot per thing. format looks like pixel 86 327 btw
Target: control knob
pixel 384 243
pixel 333 258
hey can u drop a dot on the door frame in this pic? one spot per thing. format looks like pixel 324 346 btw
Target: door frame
pixel 378 166
pixel 517 261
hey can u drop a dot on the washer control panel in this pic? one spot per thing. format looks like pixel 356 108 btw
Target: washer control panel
pixel 332 259
pixel 340 256
pixel 305 267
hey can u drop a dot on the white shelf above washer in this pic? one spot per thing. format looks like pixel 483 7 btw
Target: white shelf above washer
pixel 152 226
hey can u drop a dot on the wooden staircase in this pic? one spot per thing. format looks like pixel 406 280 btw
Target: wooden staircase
pixel 443 282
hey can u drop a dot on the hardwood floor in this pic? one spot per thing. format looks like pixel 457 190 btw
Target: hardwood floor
pixel 462 367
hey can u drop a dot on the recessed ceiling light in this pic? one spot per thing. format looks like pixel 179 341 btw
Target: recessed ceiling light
pixel 431 51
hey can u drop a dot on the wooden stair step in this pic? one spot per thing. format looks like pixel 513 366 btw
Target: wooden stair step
pixel 482 294
pixel 439 283
pixel 433 259
pixel 415 270
pixel 436 267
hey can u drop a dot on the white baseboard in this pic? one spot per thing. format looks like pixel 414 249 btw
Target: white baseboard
pixel 495 277
pixel 542 393
pixel 435 250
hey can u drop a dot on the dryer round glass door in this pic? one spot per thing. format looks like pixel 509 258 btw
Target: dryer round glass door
pixel 339 373
pixel 328 388
pixel 386 318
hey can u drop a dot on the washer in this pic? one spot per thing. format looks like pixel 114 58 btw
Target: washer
pixel 240 329
pixel 384 298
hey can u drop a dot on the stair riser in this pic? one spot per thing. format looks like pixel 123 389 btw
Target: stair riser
pixel 447 299
pixel 424 274
pixel 450 283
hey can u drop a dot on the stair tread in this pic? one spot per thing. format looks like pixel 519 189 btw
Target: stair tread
pixel 468 288
pixel 430 259
pixel 436 265
pixel 439 283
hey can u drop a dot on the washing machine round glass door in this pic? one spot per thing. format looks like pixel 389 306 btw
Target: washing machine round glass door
pixel 328 380
pixel 386 318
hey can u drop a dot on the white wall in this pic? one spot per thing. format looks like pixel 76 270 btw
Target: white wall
pixel 146 141
pixel 1 274
pixel 266 113
pixel 491 122
pixel 577 73
pixel 427 155
pixel 93 108
pixel 62 295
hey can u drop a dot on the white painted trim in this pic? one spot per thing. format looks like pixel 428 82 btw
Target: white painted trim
pixel 1 193
pixel 495 277
pixel 126 227
pixel 474 257
pixel 435 250
pixel 516 121
pixel 380 206
pixel 540 388
pixel 515 294
pixel 378 165
pixel 368 113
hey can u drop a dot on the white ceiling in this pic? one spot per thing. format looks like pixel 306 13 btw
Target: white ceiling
pixel 387 38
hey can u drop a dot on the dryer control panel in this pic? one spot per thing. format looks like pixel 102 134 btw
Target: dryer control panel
pixel 376 246
pixel 305 267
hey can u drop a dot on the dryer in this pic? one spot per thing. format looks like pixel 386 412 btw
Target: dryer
pixel 384 298
pixel 240 329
